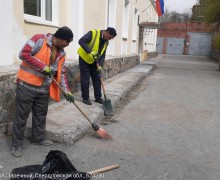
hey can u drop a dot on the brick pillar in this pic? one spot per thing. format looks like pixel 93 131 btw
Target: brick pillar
pixel 164 45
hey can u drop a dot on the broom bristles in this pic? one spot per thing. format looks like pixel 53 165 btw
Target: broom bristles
pixel 103 134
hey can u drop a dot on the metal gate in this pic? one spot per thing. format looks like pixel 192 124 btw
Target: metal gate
pixel 172 45
pixel 200 43
pixel 160 45
pixel 175 46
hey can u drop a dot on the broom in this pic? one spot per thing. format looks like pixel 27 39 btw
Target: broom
pixel 100 131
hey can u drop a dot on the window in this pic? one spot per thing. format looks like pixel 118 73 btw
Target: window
pixel 41 11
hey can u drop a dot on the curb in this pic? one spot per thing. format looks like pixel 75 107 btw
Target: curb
pixel 65 124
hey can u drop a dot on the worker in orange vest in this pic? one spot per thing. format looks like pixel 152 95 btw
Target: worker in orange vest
pixel 42 56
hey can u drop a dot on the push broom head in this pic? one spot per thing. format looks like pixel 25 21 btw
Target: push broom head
pixel 101 132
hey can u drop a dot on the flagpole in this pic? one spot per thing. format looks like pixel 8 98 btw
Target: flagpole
pixel 147 8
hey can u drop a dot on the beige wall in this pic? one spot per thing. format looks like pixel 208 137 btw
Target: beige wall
pixel 95 15
pixel 146 10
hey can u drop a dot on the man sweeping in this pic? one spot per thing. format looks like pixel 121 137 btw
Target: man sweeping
pixel 43 57
pixel 93 47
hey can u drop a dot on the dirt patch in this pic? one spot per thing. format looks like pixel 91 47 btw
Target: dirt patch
pixel 125 101
pixel 107 120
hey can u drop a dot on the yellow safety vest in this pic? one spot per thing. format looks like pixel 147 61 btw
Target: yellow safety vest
pixel 94 44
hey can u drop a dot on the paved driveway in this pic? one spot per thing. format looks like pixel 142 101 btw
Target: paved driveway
pixel 167 129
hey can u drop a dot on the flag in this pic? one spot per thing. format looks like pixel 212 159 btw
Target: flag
pixel 160 7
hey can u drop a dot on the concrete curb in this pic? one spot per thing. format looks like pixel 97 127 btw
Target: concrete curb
pixel 66 124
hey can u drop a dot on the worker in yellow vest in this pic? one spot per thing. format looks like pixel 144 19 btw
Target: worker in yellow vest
pixel 92 53
pixel 42 56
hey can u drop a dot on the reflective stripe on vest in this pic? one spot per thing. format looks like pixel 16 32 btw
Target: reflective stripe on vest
pixel 94 44
pixel 31 71
pixel 36 78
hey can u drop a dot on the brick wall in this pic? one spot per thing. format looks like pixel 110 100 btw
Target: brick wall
pixel 180 30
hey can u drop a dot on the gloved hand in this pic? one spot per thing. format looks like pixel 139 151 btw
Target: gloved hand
pixel 69 97
pixel 99 70
pixel 47 71
pixel 94 53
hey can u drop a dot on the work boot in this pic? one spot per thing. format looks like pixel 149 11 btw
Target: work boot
pixel 16 152
pixel 44 143
pixel 99 100
pixel 87 101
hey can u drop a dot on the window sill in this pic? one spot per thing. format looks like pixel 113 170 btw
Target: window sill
pixel 27 20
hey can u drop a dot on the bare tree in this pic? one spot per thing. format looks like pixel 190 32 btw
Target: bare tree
pixel 173 16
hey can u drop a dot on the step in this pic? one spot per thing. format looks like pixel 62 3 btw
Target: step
pixel 66 124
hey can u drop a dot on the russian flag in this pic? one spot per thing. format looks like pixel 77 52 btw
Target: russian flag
pixel 160 7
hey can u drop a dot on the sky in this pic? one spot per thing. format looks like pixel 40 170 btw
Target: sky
pixel 179 5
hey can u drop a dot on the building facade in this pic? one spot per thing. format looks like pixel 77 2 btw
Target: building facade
pixel 23 19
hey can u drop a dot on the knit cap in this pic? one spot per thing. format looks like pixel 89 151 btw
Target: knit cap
pixel 64 33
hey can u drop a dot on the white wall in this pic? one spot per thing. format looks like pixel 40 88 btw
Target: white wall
pixel 76 24
pixel 111 22
pixel 6 35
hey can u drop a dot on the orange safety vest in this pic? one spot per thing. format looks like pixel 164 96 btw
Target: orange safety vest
pixel 36 78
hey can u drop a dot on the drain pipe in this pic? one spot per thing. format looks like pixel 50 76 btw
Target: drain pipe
pixel 108 13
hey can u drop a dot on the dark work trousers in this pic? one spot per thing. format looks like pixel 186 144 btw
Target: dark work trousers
pixel 87 70
pixel 27 100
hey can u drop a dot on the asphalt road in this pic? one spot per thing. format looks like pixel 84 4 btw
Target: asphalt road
pixel 166 129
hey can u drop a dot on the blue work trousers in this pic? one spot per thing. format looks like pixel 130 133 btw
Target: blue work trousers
pixel 87 71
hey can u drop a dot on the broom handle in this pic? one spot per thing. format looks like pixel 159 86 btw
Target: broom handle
pixel 101 170
pixel 73 102
pixel 83 113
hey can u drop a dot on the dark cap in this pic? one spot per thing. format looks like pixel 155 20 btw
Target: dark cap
pixel 111 31
pixel 64 33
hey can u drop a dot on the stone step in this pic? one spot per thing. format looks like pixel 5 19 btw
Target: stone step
pixel 64 121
